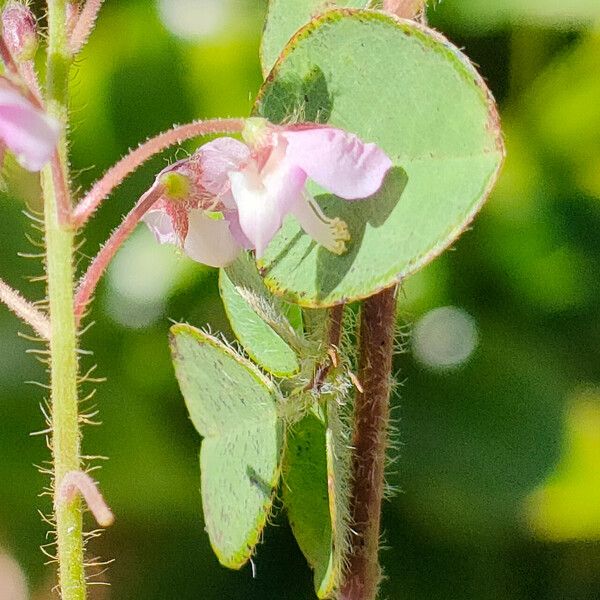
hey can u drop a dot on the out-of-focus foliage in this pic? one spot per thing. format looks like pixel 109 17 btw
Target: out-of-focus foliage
pixel 494 456
pixel 483 15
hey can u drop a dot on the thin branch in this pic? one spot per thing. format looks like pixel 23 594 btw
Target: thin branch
pixel 128 164
pixel 84 25
pixel 24 310
pixel 32 93
pixel 89 281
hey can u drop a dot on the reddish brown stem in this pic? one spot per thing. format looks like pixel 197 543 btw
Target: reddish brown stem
pixel 128 164
pixel 90 280
pixel 369 442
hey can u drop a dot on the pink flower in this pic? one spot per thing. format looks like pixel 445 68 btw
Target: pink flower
pixel 25 129
pixel 253 188
pixel 197 211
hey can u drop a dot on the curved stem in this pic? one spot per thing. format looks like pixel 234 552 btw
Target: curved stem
pixel 369 442
pixel 24 310
pixel 76 482
pixel 128 164
pixel 92 276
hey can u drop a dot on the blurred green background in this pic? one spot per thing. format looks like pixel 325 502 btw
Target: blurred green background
pixel 497 441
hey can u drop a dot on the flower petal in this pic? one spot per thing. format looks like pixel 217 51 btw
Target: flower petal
pixel 209 241
pixel 263 202
pixel 27 131
pixel 337 160
pixel 160 225
pixel 217 159
pixel 236 229
pixel 330 233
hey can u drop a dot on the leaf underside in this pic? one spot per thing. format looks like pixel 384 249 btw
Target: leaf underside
pixel 244 296
pixel 233 407
pixel 306 498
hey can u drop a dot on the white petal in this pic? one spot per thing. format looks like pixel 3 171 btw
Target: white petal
pixel 209 241
pixel 330 233
pixel 161 226
pixel 263 202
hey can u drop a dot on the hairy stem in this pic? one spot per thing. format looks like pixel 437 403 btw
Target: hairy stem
pixel 369 442
pixel 30 77
pixel 19 75
pixel 63 339
pixel 334 338
pixel 25 311
pixel 128 164
pixel 84 25
pixel 90 280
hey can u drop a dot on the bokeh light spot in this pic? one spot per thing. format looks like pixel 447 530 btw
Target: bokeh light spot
pixel 140 279
pixel 444 338
pixel 194 19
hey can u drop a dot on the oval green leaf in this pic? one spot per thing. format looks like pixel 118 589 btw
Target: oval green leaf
pixel 233 406
pixel 408 89
pixel 242 298
pixel 285 17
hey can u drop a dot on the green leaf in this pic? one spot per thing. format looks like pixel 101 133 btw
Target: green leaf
pixel 409 90
pixel 233 407
pixel 316 488
pixel 483 15
pixel 285 17
pixel 306 497
pixel 251 309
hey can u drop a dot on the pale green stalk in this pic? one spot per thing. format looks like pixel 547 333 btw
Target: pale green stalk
pixel 63 339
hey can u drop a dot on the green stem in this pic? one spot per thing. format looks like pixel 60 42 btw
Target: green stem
pixel 63 340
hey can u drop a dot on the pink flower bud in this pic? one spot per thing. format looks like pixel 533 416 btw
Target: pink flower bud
pixel 19 29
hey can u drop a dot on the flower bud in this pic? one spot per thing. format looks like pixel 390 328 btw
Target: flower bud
pixel 19 29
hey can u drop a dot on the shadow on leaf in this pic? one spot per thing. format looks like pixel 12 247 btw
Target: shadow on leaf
pixel 373 211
